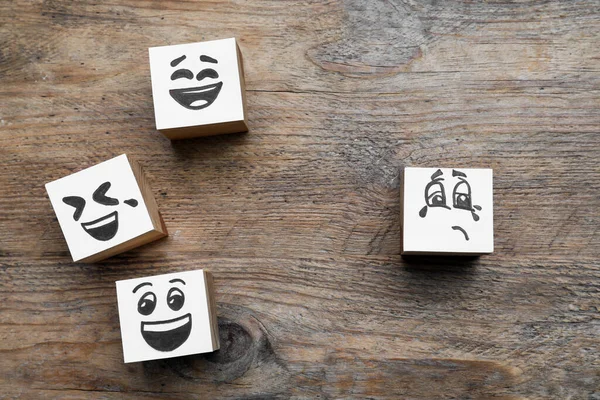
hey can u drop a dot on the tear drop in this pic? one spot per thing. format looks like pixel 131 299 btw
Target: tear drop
pixel 475 216
pixel 423 212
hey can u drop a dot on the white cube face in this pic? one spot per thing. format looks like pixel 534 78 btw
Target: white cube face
pixel 196 84
pixel 164 316
pixel 448 210
pixel 99 208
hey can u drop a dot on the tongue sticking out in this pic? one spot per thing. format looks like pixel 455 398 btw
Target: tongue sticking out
pixel 198 103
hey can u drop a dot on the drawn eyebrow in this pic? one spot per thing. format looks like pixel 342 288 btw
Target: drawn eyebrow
pixel 177 280
pixel 176 61
pixel 458 173
pixel 204 58
pixel 436 174
pixel 140 285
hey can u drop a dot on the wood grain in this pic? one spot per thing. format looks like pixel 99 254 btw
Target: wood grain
pixel 299 219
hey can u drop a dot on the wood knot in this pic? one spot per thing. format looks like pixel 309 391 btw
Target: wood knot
pixel 236 342
pixel 245 350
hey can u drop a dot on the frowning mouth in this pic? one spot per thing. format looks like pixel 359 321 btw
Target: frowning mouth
pixel 104 228
pixel 197 98
pixel 458 228
pixel 167 335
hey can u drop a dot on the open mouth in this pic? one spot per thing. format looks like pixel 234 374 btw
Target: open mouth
pixel 458 228
pixel 196 98
pixel 167 335
pixel 104 228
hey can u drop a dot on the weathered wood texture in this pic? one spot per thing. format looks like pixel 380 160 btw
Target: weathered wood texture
pixel 299 219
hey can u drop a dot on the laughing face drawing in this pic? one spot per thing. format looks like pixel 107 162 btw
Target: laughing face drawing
pixel 105 227
pixel 462 201
pixel 191 96
pixel 167 334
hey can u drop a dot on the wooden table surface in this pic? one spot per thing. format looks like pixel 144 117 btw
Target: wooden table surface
pixel 299 219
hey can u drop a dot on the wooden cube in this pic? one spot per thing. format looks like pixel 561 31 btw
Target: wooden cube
pixel 198 89
pixel 168 315
pixel 447 211
pixel 106 209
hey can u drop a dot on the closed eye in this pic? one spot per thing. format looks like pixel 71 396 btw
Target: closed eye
pixel 207 73
pixel 100 196
pixel 182 73
pixel 78 203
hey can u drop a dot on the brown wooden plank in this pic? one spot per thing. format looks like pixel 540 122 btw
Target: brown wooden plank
pixel 299 219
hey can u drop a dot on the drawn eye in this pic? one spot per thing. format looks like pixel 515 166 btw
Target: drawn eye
pixel 207 73
pixel 461 196
pixel 100 197
pixel 182 73
pixel 175 299
pixel 78 203
pixel 435 195
pixel 147 303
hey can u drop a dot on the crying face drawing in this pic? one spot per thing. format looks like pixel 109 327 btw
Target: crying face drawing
pixel 462 200
pixel 185 92
pixel 105 227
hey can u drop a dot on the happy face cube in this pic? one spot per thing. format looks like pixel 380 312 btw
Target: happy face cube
pixel 105 209
pixel 168 315
pixel 447 211
pixel 198 89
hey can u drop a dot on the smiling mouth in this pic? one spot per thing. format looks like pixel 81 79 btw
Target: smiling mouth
pixel 458 228
pixel 197 98
pixel 167 335
pixel 104 228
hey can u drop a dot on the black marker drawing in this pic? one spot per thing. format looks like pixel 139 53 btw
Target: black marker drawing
pixel 176 61
pixel 131 202
pixel 208 59
pixel 198 97
pixel 103 228
pixel 175 299
pixel 169 334
pixel 168 340
pixel 78 203
pixel 461 195
pixel 100 196
pixel 435 196
pixel 182 73
pixel 458 228
pixel 147 303
pixel 207 73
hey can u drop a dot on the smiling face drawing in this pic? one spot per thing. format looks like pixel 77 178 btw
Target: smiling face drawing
pixel 105 227
pixel 164 335
pixel 198 88
pixel 169 315
pixel 435 196
pixel 195 97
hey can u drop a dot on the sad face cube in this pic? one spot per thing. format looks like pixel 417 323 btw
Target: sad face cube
pixel 105 209
pixel 447 211
pixel 168 315
pixel 198 89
